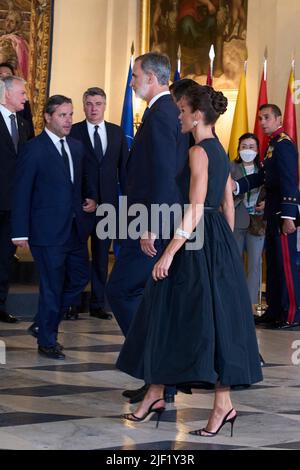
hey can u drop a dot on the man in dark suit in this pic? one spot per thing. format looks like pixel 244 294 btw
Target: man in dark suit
pixel 158 157
pixel 14 131
pixel 6 70
pixel 54 201
pixel 106 144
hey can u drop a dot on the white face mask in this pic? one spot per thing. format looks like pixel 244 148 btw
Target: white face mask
pixel 247 155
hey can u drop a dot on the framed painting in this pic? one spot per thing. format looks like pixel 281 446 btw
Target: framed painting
pixel 195 25
pixel 25 44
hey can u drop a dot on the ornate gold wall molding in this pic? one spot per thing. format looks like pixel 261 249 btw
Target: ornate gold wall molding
pixel 39 57
pixel 145 26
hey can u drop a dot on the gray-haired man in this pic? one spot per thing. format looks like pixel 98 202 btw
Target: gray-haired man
pixel 14 131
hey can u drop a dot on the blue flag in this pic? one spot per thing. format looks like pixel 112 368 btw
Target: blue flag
pixel 127 113
pixel 128 128
pixel 176 76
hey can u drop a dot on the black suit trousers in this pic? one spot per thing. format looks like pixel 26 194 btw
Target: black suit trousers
pixel 7 251
pixel 100 258
pixel 128 279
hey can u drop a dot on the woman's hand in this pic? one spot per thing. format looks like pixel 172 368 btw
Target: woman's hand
pixel 260 207
pixel 161 268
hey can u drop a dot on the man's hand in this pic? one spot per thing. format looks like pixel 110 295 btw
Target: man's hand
pixel 147 244
pixel 288 226
pixel 89 205
pixel 21 243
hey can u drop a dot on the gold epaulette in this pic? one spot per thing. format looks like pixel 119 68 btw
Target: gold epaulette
pixel 283 136
pixel 269 152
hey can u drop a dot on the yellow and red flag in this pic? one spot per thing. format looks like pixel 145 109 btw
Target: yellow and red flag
pixel 240 118
pixel 289 120
pixel 262 99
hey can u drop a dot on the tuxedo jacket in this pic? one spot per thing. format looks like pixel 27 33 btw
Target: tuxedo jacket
pixel 111 169
pixel 8 159
pixel 158 157
pixel 45 201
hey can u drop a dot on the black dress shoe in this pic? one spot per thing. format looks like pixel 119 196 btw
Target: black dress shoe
pixel 51 353
pixel 132 393
pixel 59 346
pixel 264 319
pixel 262 361
pixel 72 313
pixel 7 317
pixel 33 330
pixel 285 325
pixel 139 396
pixel 100 313
pixel 184 389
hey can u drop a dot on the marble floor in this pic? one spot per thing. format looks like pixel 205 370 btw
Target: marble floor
pixel 77 403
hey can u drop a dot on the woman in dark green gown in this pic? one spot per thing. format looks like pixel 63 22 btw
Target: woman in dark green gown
pixel 195 321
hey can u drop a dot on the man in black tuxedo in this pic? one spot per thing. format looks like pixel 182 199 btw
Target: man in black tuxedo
pixel 14 131
pixel 157 159
pixel 53 204
pixel 106 144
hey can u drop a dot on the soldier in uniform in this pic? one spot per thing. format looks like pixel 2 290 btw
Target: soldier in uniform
pixel 279 173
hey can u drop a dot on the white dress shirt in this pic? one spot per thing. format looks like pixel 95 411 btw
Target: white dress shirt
pixel 56 140
pixel 101 131
pixel 155 98
pixel 6 113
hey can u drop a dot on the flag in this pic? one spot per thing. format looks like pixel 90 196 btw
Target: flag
pixel 211 55
pixel 240 118
pixel 289 120
pixel 290 127
pixel 128 128
pixel 209 80
pixel 262 99
pixel 177 71
pixel 127 112
pixel 176 75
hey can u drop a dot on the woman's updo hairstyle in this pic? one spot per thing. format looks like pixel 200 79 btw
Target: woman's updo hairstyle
pixel 205 99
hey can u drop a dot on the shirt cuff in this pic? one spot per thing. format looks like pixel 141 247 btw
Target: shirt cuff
pixel 237 191
pixel 287 217
pixel 20 238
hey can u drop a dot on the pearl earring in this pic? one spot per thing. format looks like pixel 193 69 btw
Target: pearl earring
pixel 195 123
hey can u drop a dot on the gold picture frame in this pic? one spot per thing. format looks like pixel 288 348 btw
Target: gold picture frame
pixel 145 26
pixel 40 57
pixel 25 44
pixel 195 25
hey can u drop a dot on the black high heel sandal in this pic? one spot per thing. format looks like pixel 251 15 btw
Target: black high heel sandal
pixel 148 415
pixel 231 420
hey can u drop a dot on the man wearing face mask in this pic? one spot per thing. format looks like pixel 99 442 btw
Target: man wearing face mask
pixel 249 228
pixel 280 176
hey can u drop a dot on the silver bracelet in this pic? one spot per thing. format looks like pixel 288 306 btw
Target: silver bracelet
pixel 182 233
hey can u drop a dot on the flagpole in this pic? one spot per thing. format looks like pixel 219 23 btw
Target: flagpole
pixel 179 60
pixel 265 69
pixel 178 68
pixel 132 54
pixel 212 56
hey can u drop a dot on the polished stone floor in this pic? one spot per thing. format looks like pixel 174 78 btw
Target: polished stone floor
pixel 77 403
